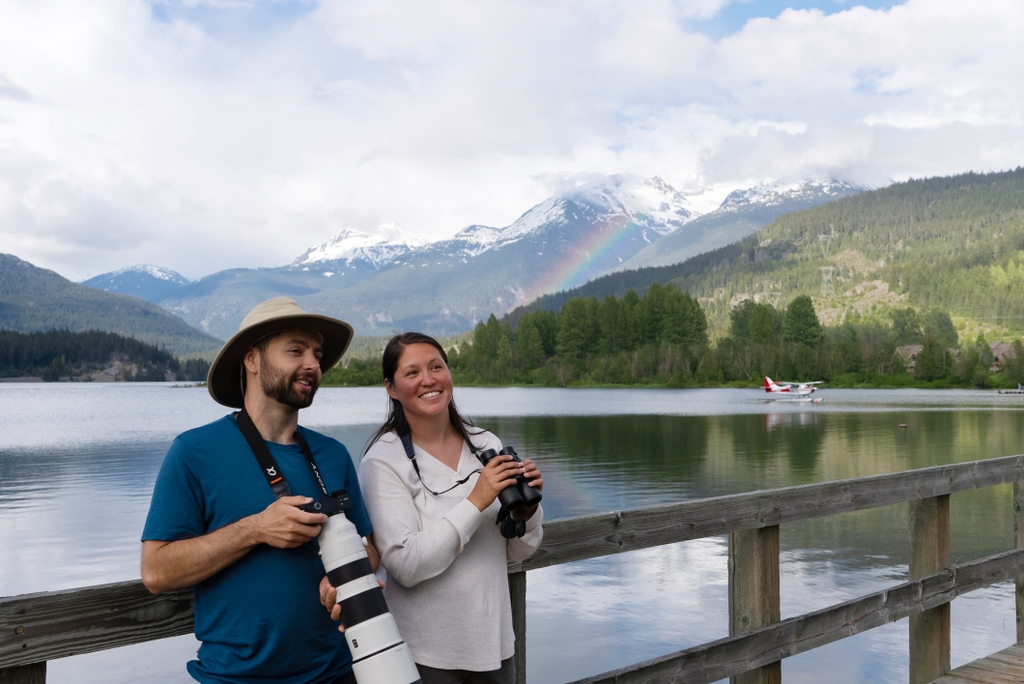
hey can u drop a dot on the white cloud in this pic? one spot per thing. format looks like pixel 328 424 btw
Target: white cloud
pixel 202 135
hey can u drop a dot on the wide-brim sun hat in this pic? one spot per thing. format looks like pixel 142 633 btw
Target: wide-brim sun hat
pixel 224 380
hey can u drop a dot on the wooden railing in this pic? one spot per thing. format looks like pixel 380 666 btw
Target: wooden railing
pixel 35 628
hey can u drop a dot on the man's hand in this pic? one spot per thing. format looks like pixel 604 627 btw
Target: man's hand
pixel 329 598
pixel 283 525
pixel 186 562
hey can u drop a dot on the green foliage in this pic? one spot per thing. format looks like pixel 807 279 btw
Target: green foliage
pixel 906 327
pixel 55 354
pixel 354 372
pixel 801 324
pixel 599 343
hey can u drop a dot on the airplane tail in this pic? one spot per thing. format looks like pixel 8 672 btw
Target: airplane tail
pixel 768 384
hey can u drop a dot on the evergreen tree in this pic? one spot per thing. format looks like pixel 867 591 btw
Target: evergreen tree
pixel 939 325
pixel 763 324
pixel 528 344
pixel 739 320
pixel 906 327
pixel 801 324
pixel 577 331
pixel 933 361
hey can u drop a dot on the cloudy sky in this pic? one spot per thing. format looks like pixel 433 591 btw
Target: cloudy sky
pixel 201 135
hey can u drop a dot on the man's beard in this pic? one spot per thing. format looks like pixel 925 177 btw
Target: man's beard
pixel 278 387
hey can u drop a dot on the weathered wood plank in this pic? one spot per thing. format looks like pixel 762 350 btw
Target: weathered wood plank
pixel 1018 539
pixel 1004 667
pixel 517 594
pixel 754 592
pixel 929 553
pixel 604 534
pixel 25 674
pixel 38 627
pixel 736 654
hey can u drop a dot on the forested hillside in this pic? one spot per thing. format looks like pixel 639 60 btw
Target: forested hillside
pixel 58 354
pixel 953 244
pixel 35 299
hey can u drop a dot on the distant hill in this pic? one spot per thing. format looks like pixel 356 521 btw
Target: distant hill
pixel 953 243
pixel 35 299
pixel 151 283
pixel 94 355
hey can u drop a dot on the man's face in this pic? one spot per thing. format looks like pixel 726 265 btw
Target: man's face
pixel 290 368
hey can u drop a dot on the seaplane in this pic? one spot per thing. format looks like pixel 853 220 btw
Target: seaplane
pixel 792 391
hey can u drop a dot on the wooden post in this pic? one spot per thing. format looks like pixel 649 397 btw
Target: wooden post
pixel 929 552
pixel 517 592
pixel 1018 538
pixel 24 674
pixel 754 595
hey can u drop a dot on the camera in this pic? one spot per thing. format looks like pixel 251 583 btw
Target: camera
pixel 379 656
pixel 521 494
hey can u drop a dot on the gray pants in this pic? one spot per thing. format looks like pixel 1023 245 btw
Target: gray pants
pixel 506 674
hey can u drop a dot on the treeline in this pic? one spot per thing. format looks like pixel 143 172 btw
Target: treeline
pixel 661 340
pixel 56 354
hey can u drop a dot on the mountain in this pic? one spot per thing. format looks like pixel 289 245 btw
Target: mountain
pixel 393 281
pixel 380 285
pixel 35 299
pixel 151 283
pixel 955 244
pixel 742 213
pixel 352 249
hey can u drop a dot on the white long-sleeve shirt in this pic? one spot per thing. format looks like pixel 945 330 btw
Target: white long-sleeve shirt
pixel 446 561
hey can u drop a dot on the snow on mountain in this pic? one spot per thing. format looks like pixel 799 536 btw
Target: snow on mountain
pixel 147 270
pixel 354 247
pixel 472 240
pixel 149 282
pixel 741 213
pixel 650 201
pixel 787 192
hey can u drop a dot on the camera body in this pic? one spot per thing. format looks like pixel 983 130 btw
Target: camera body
pixel 521 494
pixel 379 656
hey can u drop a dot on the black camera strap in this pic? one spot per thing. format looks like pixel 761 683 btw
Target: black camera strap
pixel 411 453
pixel 510 523
pixel 267 464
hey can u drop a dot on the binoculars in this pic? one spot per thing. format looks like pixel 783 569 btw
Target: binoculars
pixel 519 495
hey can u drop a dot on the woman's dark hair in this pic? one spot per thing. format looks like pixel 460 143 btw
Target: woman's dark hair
pixel 396 420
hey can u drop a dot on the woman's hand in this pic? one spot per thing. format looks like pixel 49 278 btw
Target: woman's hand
pixel 532 475
pixel 500 472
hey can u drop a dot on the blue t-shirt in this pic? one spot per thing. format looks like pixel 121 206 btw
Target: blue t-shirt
pixel 260 619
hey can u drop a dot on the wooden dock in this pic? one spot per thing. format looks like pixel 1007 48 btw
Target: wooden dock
pixel 36 628
pixel 999 668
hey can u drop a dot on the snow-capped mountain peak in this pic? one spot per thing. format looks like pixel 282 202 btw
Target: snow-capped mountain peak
pixel 388 242
pixel 142 280
pixel 780 192
pixel 650 201
pixel 152 271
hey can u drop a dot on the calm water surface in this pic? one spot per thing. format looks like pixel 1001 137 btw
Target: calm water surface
pixel 78 461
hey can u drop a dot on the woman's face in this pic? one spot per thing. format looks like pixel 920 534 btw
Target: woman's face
pixel 423 383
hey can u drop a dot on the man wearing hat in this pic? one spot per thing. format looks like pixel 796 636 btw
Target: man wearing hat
pixel 220 524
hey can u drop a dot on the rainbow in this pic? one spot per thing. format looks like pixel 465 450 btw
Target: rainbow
pixel 601 243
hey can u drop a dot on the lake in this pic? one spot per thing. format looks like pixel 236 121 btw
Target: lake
pixel 78 461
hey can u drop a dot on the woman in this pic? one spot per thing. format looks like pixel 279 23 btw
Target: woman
pixel 434 510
